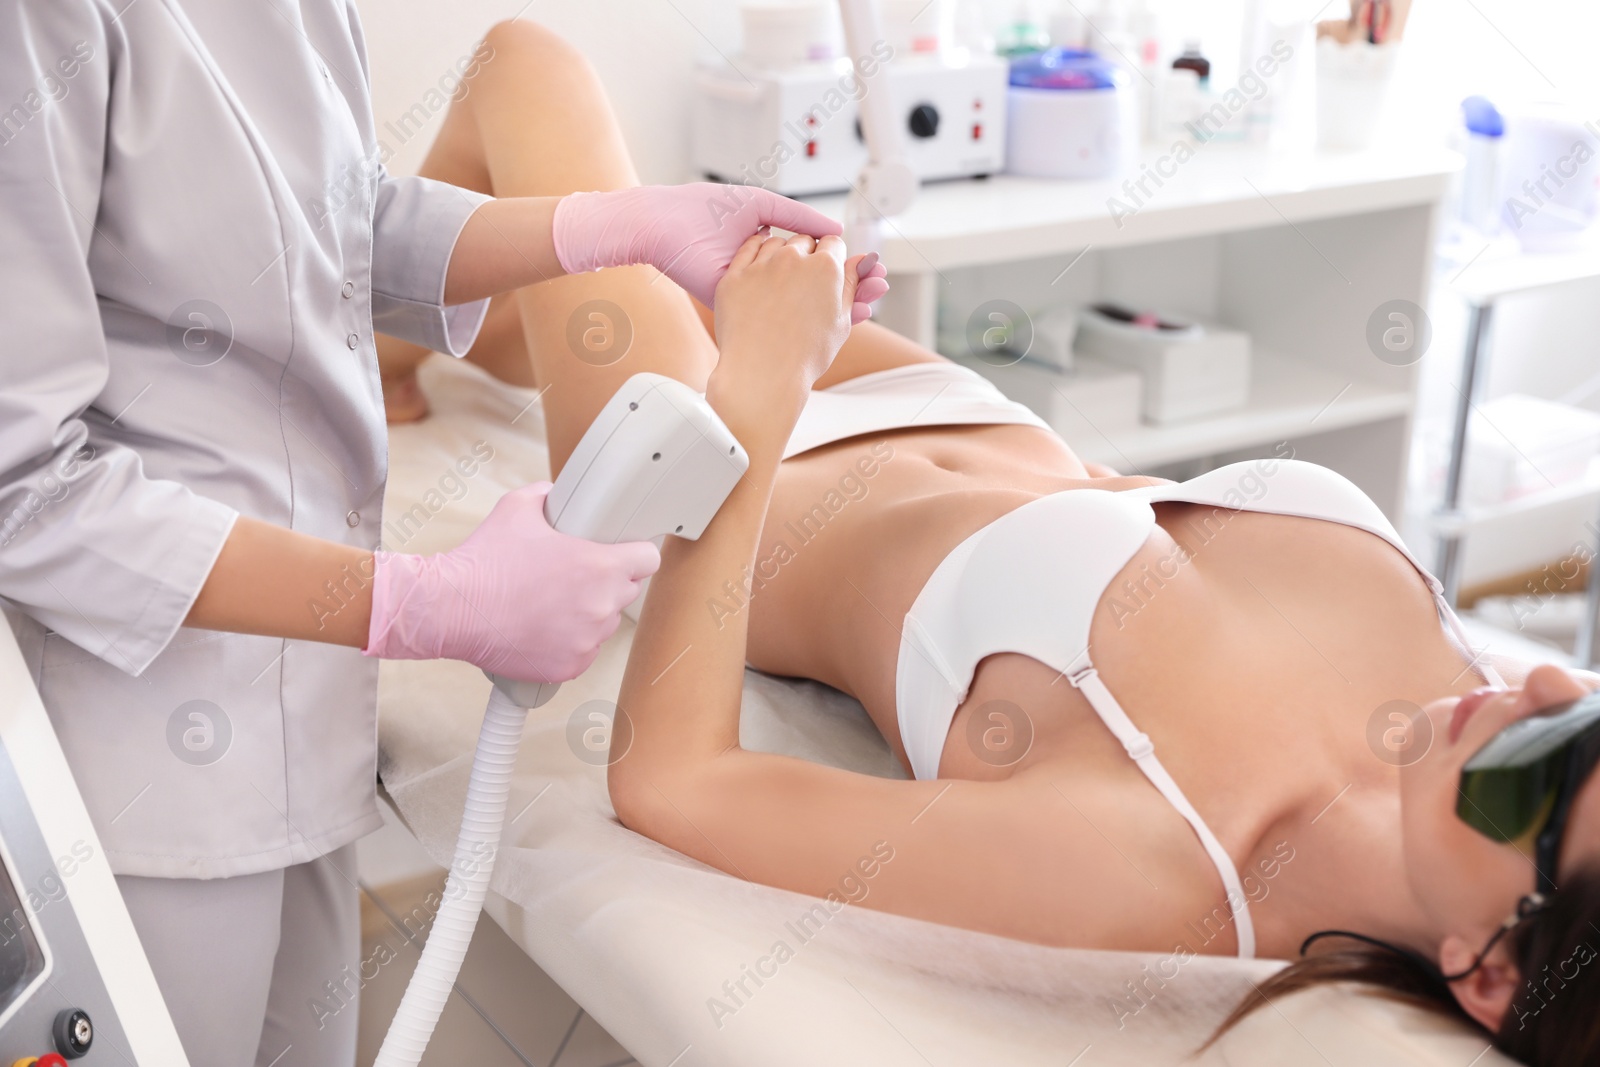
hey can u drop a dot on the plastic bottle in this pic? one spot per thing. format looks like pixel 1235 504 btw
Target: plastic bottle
pixel 1022 36
pixel 1181 101
pixel 1069 29
pixel 972 27
pixel 1485 131
pixel 1143 27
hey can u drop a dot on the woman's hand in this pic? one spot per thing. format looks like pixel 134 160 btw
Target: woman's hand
pixel 783 310
pixel 690 233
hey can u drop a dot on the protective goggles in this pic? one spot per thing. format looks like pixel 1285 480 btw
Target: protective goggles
pixel 1521 785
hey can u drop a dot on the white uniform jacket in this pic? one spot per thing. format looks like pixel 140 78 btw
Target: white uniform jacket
pixel 197 239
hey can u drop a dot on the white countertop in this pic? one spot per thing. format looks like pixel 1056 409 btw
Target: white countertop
pixel 1223 187
pixel 1500 269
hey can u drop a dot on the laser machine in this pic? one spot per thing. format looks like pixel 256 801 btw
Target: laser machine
pixel 74 982
pixel 657 461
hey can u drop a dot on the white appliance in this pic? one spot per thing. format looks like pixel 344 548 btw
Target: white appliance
pixel 1070 114
pixel 74 982
pixel 795 129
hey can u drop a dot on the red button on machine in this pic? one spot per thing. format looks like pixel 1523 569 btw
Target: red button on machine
pixel 811 148
pixel 977 131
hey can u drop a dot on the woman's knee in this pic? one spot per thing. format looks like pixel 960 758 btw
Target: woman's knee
pixel 530 50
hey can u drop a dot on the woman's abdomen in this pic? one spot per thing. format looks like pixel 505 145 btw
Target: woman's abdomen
pixel 855 529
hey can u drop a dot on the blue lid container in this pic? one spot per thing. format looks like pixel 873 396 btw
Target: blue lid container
pixel 1482 117
pixel 1066 69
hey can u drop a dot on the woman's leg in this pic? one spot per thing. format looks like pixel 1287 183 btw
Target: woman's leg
pixel 534 121
pixel 456 156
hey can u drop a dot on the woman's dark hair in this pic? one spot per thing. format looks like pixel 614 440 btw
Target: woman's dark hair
pixel 1553 1021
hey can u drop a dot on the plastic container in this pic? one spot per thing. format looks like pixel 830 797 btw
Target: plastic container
pixel 779 35
pixel 1522 444
pixel 1551 163
pixel 1352 85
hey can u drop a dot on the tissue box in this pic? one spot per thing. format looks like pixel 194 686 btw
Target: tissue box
pixel 1053 333
pixel 1092 401
pixel 1189 374
pixel 1521 444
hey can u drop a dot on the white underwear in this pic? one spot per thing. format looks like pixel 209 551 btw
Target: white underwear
pixel 1030 582
pixel 916 395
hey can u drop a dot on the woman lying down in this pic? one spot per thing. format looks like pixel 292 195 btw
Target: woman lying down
pixel 1129 706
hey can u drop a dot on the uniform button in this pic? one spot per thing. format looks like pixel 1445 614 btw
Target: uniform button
pixel 349 290
pixel 352 519
pixel 352 341
pixel 325 75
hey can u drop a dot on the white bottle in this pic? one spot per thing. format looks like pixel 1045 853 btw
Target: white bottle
pixel 1181 102
pixel 1256 116
pixel 1068 28
pixel 1111 38
pixel 1146 33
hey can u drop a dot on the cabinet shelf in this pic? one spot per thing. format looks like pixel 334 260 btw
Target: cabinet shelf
pixel 1288 399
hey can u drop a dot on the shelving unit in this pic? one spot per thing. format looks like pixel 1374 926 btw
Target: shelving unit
pixel 1299 251
pixel 1482 283
pixel 1286 397
pixel 1582 493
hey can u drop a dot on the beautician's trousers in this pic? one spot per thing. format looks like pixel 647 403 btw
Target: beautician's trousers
pixel 261 969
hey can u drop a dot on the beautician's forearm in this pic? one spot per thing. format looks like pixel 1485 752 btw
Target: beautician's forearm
pixel 506 244
pixel 273 581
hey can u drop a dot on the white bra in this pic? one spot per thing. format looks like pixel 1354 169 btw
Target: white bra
pixel 1030 581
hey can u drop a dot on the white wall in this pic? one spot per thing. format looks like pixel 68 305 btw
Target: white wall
pixel 643 49
pixel 1512 50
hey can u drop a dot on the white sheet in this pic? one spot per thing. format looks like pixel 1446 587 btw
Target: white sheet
pixel 645 939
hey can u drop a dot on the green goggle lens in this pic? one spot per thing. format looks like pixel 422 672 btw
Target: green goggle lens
pixel 1510 786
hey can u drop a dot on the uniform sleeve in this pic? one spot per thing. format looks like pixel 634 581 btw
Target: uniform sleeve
pixel 90 546
pixel 414 228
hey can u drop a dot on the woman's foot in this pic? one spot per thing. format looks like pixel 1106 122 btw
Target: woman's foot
pixel 403 400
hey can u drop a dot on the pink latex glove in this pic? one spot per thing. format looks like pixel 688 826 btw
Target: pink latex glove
pixel 687 232
pixel 515 598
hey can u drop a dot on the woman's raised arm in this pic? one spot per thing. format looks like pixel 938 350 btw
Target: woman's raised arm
pixel 947 851
pixel 782 313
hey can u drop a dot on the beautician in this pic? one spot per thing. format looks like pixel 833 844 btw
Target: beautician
pixel 197 241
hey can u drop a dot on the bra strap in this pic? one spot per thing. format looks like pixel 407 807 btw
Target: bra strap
pixel 1142 751
pixel 1453 620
